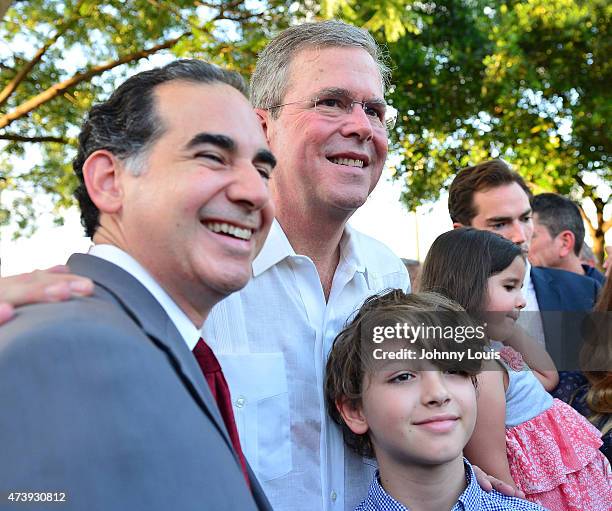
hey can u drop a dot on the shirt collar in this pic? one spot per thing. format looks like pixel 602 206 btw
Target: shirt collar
pixel 527 279
pixel 379 497
pixel 351 252
pixel 471 496
pixel 469 499
pixel 183 324
pixel 277 247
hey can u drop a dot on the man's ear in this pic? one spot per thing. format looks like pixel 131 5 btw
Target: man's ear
pixel 100 172
pixel 352 414
pixel 567 240
pixel 263 116
pixel 457 225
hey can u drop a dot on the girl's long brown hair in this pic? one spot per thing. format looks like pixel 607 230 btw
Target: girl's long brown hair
pixel 460 262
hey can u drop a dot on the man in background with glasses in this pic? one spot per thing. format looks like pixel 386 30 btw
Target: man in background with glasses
pixel 319 90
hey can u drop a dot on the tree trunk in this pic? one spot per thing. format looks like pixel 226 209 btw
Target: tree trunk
pixel 600 231
pixel 4 5
pixel 596 229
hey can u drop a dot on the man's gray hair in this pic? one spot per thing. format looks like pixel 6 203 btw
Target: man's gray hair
pixel 271 77
pixel 558 214
pixel 587 255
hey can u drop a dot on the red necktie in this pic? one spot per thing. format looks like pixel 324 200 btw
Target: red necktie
pixel 220 391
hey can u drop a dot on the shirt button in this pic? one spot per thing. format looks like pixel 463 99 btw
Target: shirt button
pixel 333 496
pixel 240 402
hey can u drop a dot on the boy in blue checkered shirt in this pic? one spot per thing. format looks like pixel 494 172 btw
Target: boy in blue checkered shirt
pixel 401 383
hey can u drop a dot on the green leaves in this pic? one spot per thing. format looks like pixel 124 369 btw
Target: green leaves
pixel 86 48
pixel 473 79
pixel 526 81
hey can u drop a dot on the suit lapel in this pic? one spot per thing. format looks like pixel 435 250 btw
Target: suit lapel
pixel 546 290
pixel 142 307
pixel 549 301
pixel 258 494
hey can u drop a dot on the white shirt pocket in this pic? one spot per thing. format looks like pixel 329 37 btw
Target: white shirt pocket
pixel 258 385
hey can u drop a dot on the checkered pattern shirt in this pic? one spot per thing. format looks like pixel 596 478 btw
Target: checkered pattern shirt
pixel 473 498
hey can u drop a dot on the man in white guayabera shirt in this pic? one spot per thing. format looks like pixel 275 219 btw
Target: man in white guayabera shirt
pixel 319 90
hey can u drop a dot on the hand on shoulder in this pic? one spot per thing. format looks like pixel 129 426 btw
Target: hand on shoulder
pixel 488 483
pixel 52 285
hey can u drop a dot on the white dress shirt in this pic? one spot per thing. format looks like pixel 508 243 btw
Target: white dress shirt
pixel 530 318
pixel 272 339
pixel 126 262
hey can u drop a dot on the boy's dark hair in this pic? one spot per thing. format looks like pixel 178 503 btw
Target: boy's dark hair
pixel 482 253
pixel 351 357
pixel 127 124
pixel 558 214
pixel 479 178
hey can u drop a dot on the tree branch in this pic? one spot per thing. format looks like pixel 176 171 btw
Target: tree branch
pixel 4 5
pixel 231 5
pixel 201 3
pixel 61 87
pixel 588 189
pixel 601 227
pixel 10 87
pixel 238 18
pixel 172 8
pixel 592 229
pixel 19 138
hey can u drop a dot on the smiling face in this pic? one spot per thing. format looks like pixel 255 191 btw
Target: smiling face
pixel 327 166
pixel 417 415
pixel 200 212
pixel 506 211
pixel 505 299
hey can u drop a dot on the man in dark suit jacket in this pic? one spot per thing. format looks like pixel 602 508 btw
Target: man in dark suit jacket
pixel 558 236
pixel 103 404
pixel 491 196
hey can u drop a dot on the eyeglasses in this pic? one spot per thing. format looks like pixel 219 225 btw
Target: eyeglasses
pixel 336 105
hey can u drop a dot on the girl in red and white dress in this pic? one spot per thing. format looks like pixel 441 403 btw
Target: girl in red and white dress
pixel 523 436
